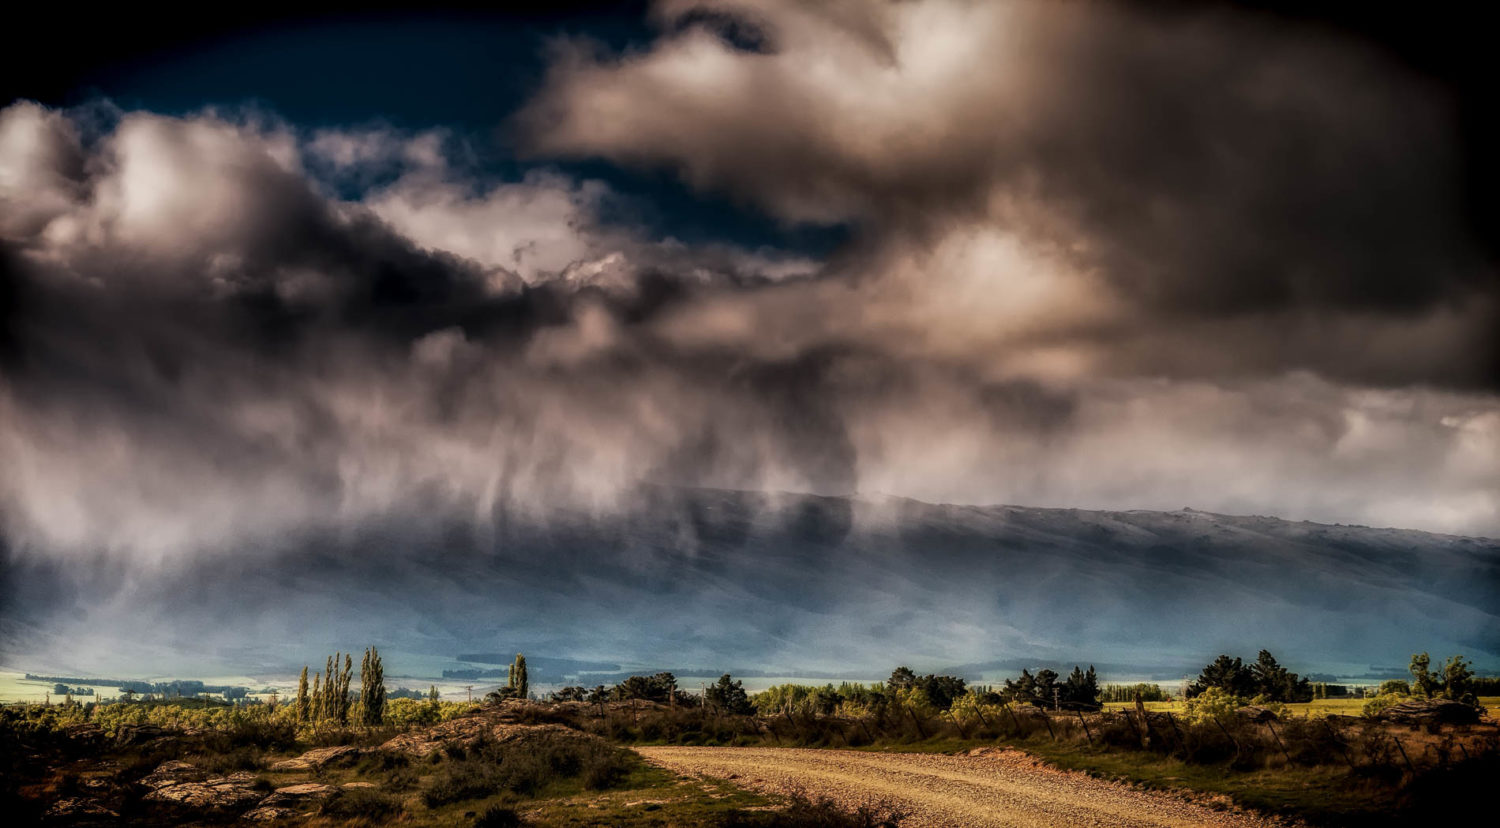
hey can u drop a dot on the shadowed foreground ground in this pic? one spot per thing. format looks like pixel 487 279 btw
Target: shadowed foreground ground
pixel 986 788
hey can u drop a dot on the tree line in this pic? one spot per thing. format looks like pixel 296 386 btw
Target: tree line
pixel 328 700
pixel 1264 680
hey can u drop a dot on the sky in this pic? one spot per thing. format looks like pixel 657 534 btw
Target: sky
pixel 300 272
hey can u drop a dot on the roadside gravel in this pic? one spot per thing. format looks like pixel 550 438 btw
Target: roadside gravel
pixel 987 787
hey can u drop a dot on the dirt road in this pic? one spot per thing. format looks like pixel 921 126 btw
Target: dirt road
pixel 988 788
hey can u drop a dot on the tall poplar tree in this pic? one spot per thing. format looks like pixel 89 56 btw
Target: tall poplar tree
pixel 304 704
pixel 372 689
pixel 317 698
pixel 343 689
pixel 330 684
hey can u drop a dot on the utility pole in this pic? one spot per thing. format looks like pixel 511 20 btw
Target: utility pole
pixel 470 690
pixel 1055 705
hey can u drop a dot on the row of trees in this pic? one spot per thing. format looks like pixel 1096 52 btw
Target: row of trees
pixel 1079 692
pixel 660 688
pixel 1263 680
pixel 1131 692
pixel 329 699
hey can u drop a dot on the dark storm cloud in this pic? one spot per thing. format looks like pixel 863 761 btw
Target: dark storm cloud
pixel 1099 259
pixel 1190 167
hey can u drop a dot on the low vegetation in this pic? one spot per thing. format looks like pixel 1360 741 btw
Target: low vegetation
pixel 1237 734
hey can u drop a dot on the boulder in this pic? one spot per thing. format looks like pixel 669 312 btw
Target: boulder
pixel 469 732
pixel 1256 713
pixel 298 796
pixel 1429 711
pixel 86 732
pixel 171 773
pixel 221 794
pixel 77 810
pixel 136 734
pixel 318 758
pixel 421 743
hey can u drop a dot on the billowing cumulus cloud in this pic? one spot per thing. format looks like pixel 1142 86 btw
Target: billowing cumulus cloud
pixel 1098 258
pixel 1105 178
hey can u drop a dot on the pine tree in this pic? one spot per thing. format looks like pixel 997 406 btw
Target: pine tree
pixel 520 682
pixel 432 694
pixel 372 689
pixel 304 704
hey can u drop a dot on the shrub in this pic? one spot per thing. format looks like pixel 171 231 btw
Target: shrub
pixel 497 816
pixel 525 766
pixel 461 780
pixel 350 803
pixel 1394 686
pixel 1213 703
pixel 1382 701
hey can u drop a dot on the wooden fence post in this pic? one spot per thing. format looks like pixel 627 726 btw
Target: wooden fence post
pixel 1086 732
pixel 917 722
pixel 1279 743
pixel 956 724
pixel 1338 742
pixel 1409 765
pixel 1173 722
pixel 1231 739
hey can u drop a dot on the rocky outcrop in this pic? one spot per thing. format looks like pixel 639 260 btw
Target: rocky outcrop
pixel 1256 713
pixel 299 797
pixel 319 757
pixel 173 773
pixel 268 814
pixel 185 785
pixel 1429 711
pixel 78 810
pixel 221 794
pixel 470 731
pixel 136 734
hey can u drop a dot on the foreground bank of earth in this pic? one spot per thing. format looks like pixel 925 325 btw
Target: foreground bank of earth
pixel 486 769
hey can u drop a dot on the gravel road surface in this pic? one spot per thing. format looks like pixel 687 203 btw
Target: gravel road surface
pixel 988 787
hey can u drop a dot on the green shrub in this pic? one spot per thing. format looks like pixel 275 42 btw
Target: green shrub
pixel 1394 686
pixel 461 780
pixel 1381 702
pixel 352 803
pixel 524 766
pixel 1213 703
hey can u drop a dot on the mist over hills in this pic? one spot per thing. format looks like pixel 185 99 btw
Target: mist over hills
pixel 712 577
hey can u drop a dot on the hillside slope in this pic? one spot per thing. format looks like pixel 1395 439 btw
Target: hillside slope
pixel 708 577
